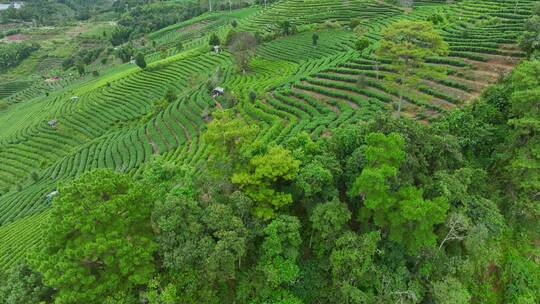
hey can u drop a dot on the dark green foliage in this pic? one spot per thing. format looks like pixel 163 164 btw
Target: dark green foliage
pixel 13 53
pixel 120 35
pixel 529 41
pixel 170 95
pixel 23 285
pixel 99 240
pixel 315 39
pixel 34 176
pixel 214 40
pixel 87 56
pixel 436 18
pixel 179 46
pixel 125 53
pixel 140 61
pixel 144 17
pixel 286 27
pixel 361 44
pixel 252 96
pixel 81 68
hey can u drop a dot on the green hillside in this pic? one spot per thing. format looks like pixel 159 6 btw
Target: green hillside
pixel 119 118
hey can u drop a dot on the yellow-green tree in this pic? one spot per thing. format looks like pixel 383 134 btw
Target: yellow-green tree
pixel 408 44
pixel 266 174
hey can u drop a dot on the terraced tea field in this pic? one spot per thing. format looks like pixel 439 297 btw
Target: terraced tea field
pixel 112 121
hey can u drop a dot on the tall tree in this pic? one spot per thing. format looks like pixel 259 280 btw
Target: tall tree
pixel 408 44
pixel 328 222
pixel 229 138
pixel 280 251
pixel 266 179
pixel 99 240
pixel 398 209
pixel 242 46
pixel 529 41
pixel 524 162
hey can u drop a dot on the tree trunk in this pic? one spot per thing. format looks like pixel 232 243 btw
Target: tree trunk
pixel 209 5
pixel 400 102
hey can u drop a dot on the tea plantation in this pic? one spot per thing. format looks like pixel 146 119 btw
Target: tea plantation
pixel 52 133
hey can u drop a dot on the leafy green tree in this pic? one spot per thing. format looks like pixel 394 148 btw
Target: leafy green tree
pixel 352 260
pixel 315 39
pixel 315 182
pixel 328 221
pixel 408 44
pixel 140 61
pixel 198 241
pixel 120 35
pixel 125 53
pixel 520 278
pixel 399 209
pixel 24 285
pixel 242 46
pixel 524 163
pixel 529 41
pixel 155 294
pixel 229 235
pixel 265 179
pixel 98 243
pixel 280 251
pixel 451 291
pixel 285 27
pixel 229 138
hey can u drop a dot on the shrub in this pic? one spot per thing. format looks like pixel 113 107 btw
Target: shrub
pixel 252 96
pixel 140 61
pixel 214 40
pixel 354 23
pixel 34 176
pixel 436 18
pixel 361 44
pixel 170 95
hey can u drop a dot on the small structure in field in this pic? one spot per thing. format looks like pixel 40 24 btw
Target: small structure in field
pixel 218 91
pixel 51 195
pixel 217 49
pixel 52 79
pixel 52 123
pixel 16 37
pixel 74 98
